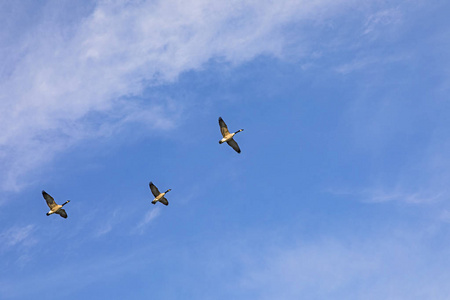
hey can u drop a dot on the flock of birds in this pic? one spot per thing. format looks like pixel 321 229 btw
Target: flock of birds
pixel 159 197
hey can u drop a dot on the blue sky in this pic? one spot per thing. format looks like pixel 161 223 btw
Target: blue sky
pixel 341 189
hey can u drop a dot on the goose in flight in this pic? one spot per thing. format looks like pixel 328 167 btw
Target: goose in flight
pixel 158 196
pixel 227 136
pixel 54 208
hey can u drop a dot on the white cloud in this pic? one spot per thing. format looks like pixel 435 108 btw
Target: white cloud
pixel 414 198
pixel 367 62
pixel 380 195
pixel 396 263
pixel 80 273
pixel 15 236
pixel 82 81
pixel 387 17
pixel 149 216
pixel 103 229
pixel 379 268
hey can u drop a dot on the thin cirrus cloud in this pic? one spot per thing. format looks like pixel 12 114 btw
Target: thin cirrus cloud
pixel 149 216
pixel 16 236
pixel 80 81
pixel 397 194
pixel 383 268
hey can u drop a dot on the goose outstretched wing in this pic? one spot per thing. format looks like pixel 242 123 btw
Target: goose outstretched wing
pixel 234 145
pixel 223 127
pixel 50 201
pixel 164 201
pixel 154 189
pixel 62 213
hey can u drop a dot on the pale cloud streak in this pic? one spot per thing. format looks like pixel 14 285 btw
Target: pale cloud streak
pixel 397 194
pixel 149 217
pixel 388 17
pixel 83 81
pixel 379 268
pixel 16 236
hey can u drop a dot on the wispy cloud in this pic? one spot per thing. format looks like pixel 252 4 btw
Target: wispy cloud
pixel 384 195
pixel 80 274
pixel 149 216
pixel 387 17
pixel 386 264
pixel 16 236
pixel 84 80
pixel 103 229
pixel 414 198
pixel 365 62
pixel 383 268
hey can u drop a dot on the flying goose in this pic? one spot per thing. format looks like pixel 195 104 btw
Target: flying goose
pixel 158 196
pixel 227 136
pixel 54 208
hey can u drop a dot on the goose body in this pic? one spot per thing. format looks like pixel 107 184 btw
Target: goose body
pixel 227 136
pixel 54 208
pixel 158 196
